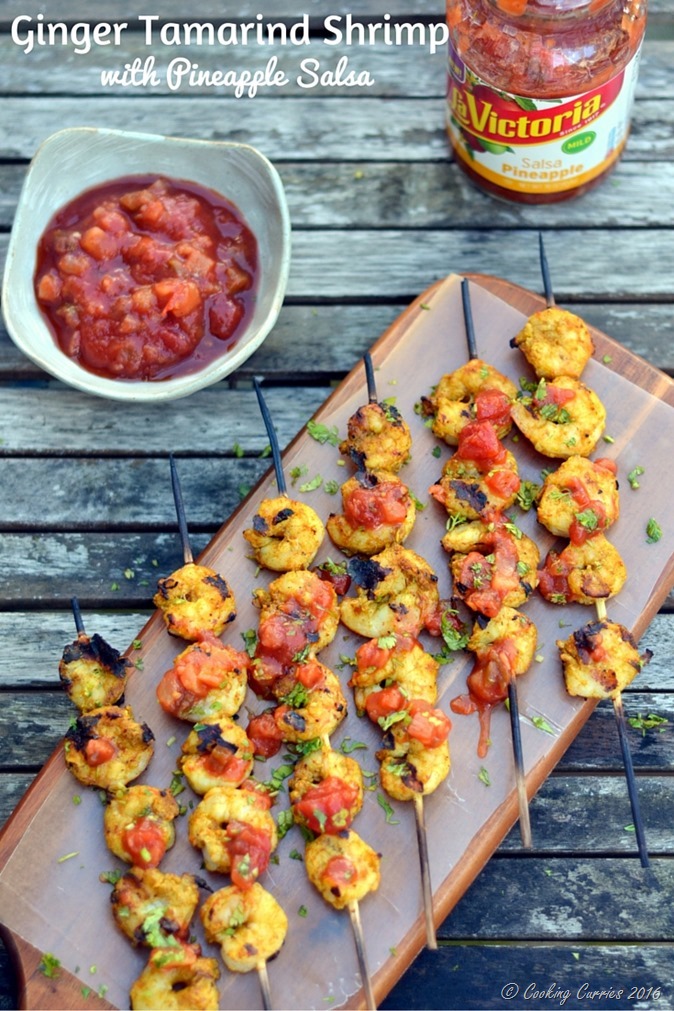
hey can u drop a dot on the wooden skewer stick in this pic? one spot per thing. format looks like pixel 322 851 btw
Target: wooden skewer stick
pixel 263 976
pixel 422 842
pixel 545 271
pixel 188 557
pixel 632 788
pixel 357 927
pixel 513 707
pixel 77 615
pixel 273 440
pixel 369 375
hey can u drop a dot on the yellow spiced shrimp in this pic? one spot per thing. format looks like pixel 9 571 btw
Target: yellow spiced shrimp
pixel 343 868
pixel 248 924
pixel 235 833
pixel 475 391
pixel 193 600
pixel 480 478
pixel 208 679
pixel 378 510
pixel 107 748
pixel 498 565
pixel 511 627
pixel 326 791
pixel 217 752
pixel 555 342
pixel 561 418
pixel 177 978
pixel 397 592
pixel 297 610
pixel 579 487
pixel 583 573
pixel 395 660
pixel 138 824
pixel 285 534
pixel 312 703
pixel 409 768
pixel 152 908
pixel 93 673
pixel 378 438
pixel 600 660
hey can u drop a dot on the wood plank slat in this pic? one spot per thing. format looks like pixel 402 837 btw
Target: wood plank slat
pixel 310 129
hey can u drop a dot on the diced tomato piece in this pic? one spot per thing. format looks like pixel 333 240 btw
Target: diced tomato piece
pixel 311 675
pixel 145 842
pixel 479 442
pixel 327 807
pixel 371 654
pixel 226 766
pixel 429 726
pixel 492 405
pixel 557 395
pixel 383 504
pixel 503 483
pixel 264 734
pixel 249 849
pixel 381 704
pixel 340 581
pixel 339 871
pixel 98 751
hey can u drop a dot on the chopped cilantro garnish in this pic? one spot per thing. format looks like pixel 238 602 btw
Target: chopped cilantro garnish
pixel 634 475
pixel 49 965
pixel 323 434
pixel 387 809
pixel 653 531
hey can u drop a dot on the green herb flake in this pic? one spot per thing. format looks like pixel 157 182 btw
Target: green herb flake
pixel 237 450
pixel 297 472
pixel 250 641
pixel 609 439
pixel 653 531
pixel 483 776
pixel 77 800
pixel 137 644
pixel 331 487
pixel 542 724
pixel 607 359
pixel 114 586
pixel 436 452
pixel 313 484
pixel 302 911
pixel 348 745
pixel 649 722
pixel 67 856
pixel 284 822
pixel 295 855
pixel 387 809
pixel 50 965
pixel 634 475
pixel 629 828
pixel 528 494
pixel 323 434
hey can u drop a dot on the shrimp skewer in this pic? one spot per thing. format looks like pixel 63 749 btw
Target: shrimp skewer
pixel 590 569
pixel 285 534
pixel 91 671
pixel 377 508
pixel 511 591
pixel 194 599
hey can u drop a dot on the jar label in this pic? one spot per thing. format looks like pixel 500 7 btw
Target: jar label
pixel 529 145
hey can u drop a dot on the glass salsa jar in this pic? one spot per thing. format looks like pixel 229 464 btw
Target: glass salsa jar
pixel 540 92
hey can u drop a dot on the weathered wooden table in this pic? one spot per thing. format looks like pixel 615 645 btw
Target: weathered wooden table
pixel 379 212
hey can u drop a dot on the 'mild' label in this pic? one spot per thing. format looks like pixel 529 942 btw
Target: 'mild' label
pixel 537 146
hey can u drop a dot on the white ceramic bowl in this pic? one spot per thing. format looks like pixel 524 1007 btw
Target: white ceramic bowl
pixel 74 160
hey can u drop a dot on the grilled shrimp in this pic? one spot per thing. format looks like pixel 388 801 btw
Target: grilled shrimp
pixel 600 660
pixel 378 510
pixel 216 753
pixel 93 673
pixel 475 390
pixel 248 924
pixel 285 534
pixel 208 679
pixel 153 908
pixel 326 791
pixel 576 486
pixel 235 833
pixel 404 663
pixel 312 703
pixel 562 418
pixel 555 342
pixel 177 978
pixel 378 438
pixel 298 609
pixel 138 824
pixel 409 768
pixel 342 868
pixel 583 573
pixel 194 600
pixel 468 490
pixel 397 593
pixel 497 566
pixel 107 749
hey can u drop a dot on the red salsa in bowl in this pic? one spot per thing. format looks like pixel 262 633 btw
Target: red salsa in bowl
pixel 146 278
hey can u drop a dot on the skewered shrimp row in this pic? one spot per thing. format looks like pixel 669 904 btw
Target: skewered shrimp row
pixel 377 507
pixel 475 391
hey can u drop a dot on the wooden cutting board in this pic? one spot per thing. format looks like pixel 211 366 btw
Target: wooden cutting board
pixel 62 908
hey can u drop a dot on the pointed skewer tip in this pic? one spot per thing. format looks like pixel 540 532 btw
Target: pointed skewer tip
pixel 357 927
pixel 426 887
